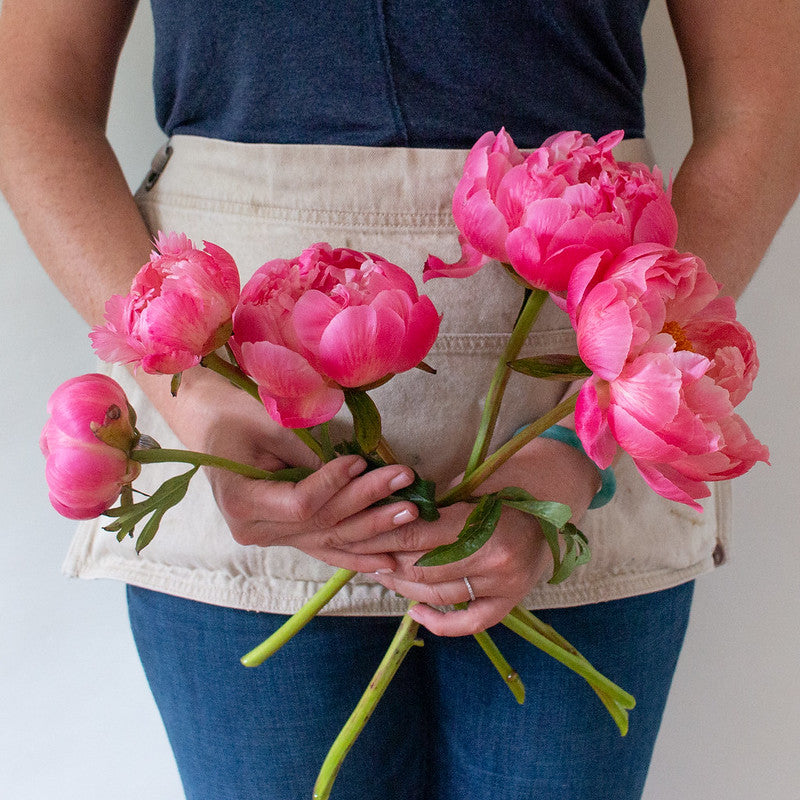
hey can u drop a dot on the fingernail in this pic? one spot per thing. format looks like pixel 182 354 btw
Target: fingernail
pixel 400 481
pixel 357 467
pixel 402 517
pixel 384 571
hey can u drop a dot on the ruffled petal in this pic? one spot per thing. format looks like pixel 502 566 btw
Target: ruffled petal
pixel 470 262
pixel 359 345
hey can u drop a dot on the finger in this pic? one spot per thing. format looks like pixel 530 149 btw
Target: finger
pixel 478 616
pixel 416 538
pixel 446 593
pixel 354 534
pixel 361 493
pixel 246 501
pixel 367 564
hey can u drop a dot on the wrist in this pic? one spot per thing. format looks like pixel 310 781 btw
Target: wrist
pixel 608 481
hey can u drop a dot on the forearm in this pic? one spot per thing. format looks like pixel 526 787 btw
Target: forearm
pixel 732 193
pixel 65 186
pixel 742 173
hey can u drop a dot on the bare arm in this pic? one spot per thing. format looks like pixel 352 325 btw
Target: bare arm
pixel 737 183
pixel 56 77
pixel 742 173
pixel 65 185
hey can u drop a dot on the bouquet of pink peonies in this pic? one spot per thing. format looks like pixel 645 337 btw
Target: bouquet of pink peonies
pixel 662 365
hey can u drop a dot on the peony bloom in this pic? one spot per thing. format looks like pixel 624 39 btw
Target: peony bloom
pixel 179 308
pixel 330 318
pixel 670 363
pixel 85 473
pixel 542 214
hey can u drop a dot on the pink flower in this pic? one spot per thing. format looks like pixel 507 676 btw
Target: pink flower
pixel 179 308
pixel 544 213
pixel 330 318
pixel 670 363
pixel 85 473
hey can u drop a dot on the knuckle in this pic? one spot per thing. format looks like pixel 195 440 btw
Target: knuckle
pixel 499 559
pixel 436 596
pixel 417 574
pixel 334 540
pixel 243 534
pixel 408 538
pixel 232 506
pixel 323 519
pixel 300 509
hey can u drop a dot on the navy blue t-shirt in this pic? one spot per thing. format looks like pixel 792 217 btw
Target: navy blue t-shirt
pixel 398 72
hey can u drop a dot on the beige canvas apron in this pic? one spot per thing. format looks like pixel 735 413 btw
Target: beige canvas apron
pixel 271 201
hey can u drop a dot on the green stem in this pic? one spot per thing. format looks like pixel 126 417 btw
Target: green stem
pixel 298 620
pixel 505 670
pixel 231 372
pixel 464 489
pixel 530 627
pixel 237 377
pixel 159 455
pixel 403 641
pixel 530 311
pixel 616 704
pixel 325 442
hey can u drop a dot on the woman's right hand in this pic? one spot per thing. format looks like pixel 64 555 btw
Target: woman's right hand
pixel 327 515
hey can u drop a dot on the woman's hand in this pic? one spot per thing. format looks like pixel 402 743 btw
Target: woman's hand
pixel 327 515
pixel 510 564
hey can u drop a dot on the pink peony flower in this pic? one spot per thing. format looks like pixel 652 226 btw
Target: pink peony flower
pixel 85 473
pixel 179 308
pixel 330 318
pixel 670 363
pixel 544 213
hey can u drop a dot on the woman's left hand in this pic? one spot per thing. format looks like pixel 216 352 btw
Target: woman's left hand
pixel 510 564
pixel 501 573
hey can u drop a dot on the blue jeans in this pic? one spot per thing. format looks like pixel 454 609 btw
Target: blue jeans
pixel 447 728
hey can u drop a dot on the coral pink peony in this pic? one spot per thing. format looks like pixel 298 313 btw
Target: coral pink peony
pixel 330 318
pixel 85 473
pixel 544 213
pixel 670 363
pixel 179 308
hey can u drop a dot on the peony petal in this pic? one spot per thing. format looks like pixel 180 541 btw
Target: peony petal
pixel 483 225
pixel 422 328
pixel 278 370
pixel 672 484
pixel 591 424
pixel 294 394
pixel 359 345
pixel 649 389
pixel 305 411
pixel 470 262
pixel 310 317
pixel 604 330
pixel 657 223
pixel 637 440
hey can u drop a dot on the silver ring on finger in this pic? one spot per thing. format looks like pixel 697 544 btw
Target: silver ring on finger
pixel 469 589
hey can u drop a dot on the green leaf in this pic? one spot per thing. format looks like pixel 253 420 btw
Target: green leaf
pixel 478 528
pixel 576 549
pixel 557 514
pixel 421 492
pixel 128 516
pixel 554 521
pixel 366 418
pixel 150 529
pixel 554 367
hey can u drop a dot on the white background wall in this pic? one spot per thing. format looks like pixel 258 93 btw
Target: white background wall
pixel 76 718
